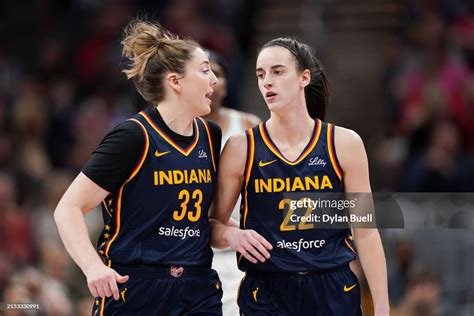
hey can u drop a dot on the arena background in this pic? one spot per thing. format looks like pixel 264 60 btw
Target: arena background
pixel 401 74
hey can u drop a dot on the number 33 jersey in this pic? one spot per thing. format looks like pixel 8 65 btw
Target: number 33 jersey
pixel 159 215
pixel 279 201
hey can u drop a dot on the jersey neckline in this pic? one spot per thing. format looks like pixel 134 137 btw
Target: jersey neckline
pixel 185 151
pixel 308 148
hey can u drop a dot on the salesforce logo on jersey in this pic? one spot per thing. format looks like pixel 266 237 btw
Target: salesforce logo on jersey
pixel 301 244
pixel 182 233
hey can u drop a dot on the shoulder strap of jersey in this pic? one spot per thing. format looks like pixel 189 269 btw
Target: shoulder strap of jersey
pixel 209 137
pixel 118 198
pixel 250 155
pixel 145 150
pixel 332 151
pixel 247 171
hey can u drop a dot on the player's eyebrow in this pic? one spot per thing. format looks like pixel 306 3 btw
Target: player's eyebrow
pixel 272 67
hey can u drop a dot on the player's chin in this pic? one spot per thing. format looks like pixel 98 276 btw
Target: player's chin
pixel 272 106
pixel 205 109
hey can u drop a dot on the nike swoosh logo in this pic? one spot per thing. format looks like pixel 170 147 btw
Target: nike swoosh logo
pixel 263 164
pixel 158 154
pixel 347 289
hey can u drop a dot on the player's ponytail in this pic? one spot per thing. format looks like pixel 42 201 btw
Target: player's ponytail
pixel 317 93
pixel 153 52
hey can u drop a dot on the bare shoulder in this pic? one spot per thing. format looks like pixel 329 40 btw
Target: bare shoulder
pixel 234 154
pixel 236 142
pixel 345 138
pixel 350 148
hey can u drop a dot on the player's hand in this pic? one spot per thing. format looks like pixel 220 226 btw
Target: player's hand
pixel 249 243
pixel 102 281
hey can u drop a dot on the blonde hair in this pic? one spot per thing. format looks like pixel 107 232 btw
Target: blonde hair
pixel 153 52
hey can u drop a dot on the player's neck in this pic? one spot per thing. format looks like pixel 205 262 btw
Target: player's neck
pixel 290 127
pixel 178 121
pixel 217 114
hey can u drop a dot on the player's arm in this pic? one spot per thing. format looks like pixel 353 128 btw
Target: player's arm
pixel 353 159
pixel 82 196
pixel 230 178
pixel 111 163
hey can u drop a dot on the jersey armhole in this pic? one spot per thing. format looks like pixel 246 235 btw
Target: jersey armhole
pixel 250 156
pixel 144 153
pixel 247 171
pixel 211 147
pixel 332 152
pixel 118 199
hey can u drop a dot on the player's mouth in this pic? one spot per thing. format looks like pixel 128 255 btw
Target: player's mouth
pixel 208 96
pixel 270 96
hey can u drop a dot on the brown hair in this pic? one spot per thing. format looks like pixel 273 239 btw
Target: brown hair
pixel 317 93
pixel 153 52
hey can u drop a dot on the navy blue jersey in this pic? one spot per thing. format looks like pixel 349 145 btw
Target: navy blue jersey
pixel 272 187
pixel 159 215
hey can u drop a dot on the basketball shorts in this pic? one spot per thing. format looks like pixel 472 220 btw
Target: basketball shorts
pixel 331 293
pixel 171 291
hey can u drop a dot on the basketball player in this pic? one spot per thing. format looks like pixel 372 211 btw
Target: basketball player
pixel 231 122
pixel 154 176
pixel 294 268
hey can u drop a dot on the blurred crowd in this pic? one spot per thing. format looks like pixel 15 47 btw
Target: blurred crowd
pixel 61 90
pixel 428 84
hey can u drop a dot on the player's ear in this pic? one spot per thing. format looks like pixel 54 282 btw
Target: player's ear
pixel 305 78
pixel 172 80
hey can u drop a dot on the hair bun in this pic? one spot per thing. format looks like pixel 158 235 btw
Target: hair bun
pixel 141 41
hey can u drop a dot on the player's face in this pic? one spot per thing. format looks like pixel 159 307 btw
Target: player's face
pixel 278 79
pixel 197 84
pixel 220 89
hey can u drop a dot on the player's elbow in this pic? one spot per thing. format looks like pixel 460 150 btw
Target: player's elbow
pixel 65 211
pixel 59 213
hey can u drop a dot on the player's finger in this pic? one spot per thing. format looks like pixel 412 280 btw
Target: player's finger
pixel 107 290
pixel 93 290
pixel 254 252
pixel 114 289
pixel 262 240
pixel 100 290
pixel 121 279
pixel 246 255
pixel 261 249
pixel 249 257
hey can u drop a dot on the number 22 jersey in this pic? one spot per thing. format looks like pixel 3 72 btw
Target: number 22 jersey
pixel 272 188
